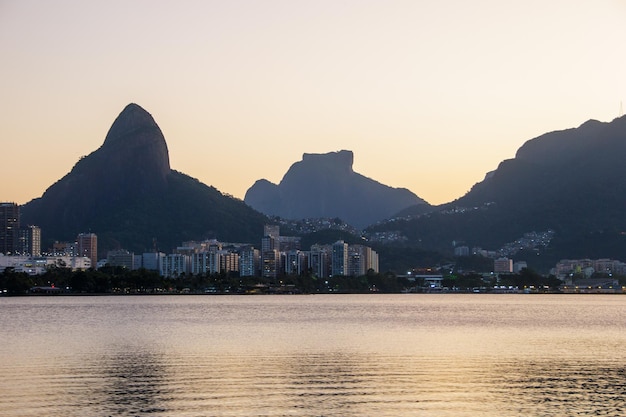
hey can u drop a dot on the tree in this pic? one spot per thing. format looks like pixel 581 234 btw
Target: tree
pixel 15 282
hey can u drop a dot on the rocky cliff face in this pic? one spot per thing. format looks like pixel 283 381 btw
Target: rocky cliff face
pixel 133 162
pixel 573 164
pixel 135 148
pixel 126 193
pixel 324 185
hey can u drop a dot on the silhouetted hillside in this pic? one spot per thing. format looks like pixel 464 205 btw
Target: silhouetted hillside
pixel 571 181
pixel 324 185
pixel 126 193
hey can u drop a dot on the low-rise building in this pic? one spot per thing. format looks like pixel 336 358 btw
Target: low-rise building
pixel 37 265
pixel 503 266
pixel 124 259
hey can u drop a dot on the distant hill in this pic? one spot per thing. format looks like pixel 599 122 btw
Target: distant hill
pixel 324 185
pixel 571 181
pixel 126 193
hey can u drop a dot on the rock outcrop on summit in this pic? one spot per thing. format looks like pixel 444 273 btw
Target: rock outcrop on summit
pixel 135 148
pixel 126 193
pixel 325 186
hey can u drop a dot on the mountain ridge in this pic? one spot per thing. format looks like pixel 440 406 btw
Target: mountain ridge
pixel 126 193
pixel 572 181
pixel 325 185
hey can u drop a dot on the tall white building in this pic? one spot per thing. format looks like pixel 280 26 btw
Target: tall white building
pixel 30 241
pixel 152 261
pixel 9 227
pixel 319 261
pixel 175 264
pixel 340 258
pixel 296 262
pixel 361 259
pixel 270 252
pixel 87 245
pixel 200 263
pixel 249 261
pixel 228 261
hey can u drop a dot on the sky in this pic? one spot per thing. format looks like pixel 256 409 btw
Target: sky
pixel 429 95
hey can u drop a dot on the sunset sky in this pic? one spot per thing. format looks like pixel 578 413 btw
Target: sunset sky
pixel 429 95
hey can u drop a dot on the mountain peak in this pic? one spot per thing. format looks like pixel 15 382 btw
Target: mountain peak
pixel 135 140
pixel 131 120
pixel 133 160
pixel 324 185
pixel 125 192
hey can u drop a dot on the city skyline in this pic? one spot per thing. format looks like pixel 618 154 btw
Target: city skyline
pixel 428 96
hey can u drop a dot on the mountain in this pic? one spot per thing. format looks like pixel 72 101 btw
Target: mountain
pixel 126 193
pixel 571 181
pixel 325 186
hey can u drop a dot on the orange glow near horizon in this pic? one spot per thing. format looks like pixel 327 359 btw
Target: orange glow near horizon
pixel 429 96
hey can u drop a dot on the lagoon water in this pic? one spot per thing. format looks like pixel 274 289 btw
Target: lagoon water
pixel 314 355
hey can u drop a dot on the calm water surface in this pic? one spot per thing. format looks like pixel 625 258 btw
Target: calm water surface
pixel 336 355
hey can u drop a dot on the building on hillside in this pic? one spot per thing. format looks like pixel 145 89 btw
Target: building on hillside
pixel 340 258
pixel 272 230
pixel 192 246
pixel 484 253
pixel 519 265
pixel 288 243
pixel 9 228
pixel 461 251
pixel 185 250
pixel 565 268
pixel 568 269
pixel 63 248
pixel 87 246
pixel 609 266
pixel 503 266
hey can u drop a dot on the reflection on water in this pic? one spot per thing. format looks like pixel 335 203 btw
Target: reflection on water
pixel 313 356
pixel 134 383
pixel 574 388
